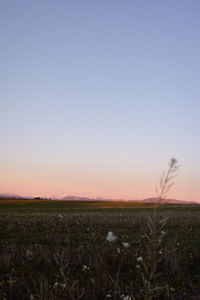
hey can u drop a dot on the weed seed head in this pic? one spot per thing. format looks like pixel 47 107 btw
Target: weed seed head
pixel 126 245
pixel 111 237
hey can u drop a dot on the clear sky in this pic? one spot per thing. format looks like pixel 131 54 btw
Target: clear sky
pixel 97 96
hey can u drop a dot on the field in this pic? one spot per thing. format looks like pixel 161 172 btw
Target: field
pixel 63 250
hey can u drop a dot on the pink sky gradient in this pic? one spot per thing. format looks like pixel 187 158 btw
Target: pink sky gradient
pixel 97 96
pixel 107 183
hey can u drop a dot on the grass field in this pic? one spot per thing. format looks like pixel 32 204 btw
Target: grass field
pixel 62 250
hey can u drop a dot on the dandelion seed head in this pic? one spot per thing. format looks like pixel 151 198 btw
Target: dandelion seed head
pixel 55 285
pixel 140 258
pixel 125 297
pixel 111 237
pixel 137 266
pixel 59 284
pixel 173 161
pixel 63 285
pixel 60 217
pixel 29 254
pixel 126 245
pixel 85 268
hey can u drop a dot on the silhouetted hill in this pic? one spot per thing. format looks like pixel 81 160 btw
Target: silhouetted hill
pixel 175 201
pixel 10 196
pixel 77 198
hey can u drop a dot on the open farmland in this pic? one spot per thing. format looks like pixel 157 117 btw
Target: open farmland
pixel 62 250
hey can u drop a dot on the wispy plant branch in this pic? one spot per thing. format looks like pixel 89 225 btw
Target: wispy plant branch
pixel 154 239
pixel 166 180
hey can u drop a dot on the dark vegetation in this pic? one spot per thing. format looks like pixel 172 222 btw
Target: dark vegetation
pixel 58 250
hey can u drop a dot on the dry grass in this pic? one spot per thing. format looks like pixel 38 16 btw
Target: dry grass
pixel 70 249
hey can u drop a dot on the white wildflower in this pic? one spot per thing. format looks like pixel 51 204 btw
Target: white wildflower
pixel 138 266
pixel 140 258
pixel 60 217
pixel 108 296
pixel 63 285
pixel 118 250
pixel 29 254
pixel 127 297
pixel 111 237
pixel 55 285
pixel 58 284
pixel 85 268
pixel 126 245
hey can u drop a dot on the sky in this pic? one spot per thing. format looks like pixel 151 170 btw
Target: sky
pixel 97 96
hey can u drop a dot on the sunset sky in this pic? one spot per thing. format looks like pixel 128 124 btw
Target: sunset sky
pixel 97 96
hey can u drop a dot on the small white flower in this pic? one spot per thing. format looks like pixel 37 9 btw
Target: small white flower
pixel 140 258
pixel 29 254
pixel 60 217
pixel 85 268
pixel 63 285
pixel 55 284
pixel 118 250
pixel 172 289
pixel 58 284
pixel 111 237
pixel 138 266
pixel 127 297
pixel 108 296
pixel 160 252
pixel 126 245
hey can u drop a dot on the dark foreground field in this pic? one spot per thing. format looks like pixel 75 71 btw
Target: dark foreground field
pixel 62 250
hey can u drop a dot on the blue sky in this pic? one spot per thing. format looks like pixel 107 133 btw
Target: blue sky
pixel 97 96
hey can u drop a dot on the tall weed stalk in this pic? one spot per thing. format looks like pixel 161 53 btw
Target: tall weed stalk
pixel 154 239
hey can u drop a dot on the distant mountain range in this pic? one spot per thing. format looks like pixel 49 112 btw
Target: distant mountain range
pixel 156 200
pixel 149 200
pixel 11 196
pixel 89 199
pixel 76 198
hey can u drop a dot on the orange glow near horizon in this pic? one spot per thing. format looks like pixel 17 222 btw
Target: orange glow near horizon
pixel 110 186
pixel 114 180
